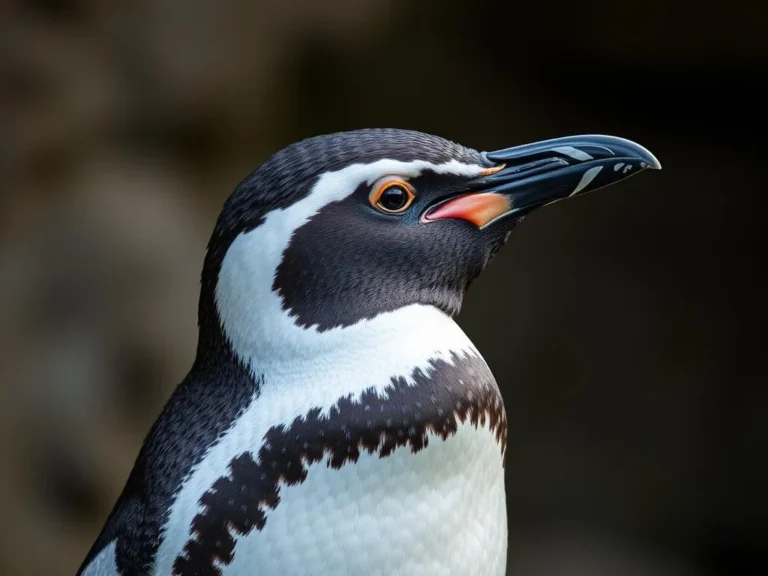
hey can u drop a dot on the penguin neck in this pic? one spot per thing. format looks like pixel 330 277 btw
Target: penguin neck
pixel 390 345
pixel 254 323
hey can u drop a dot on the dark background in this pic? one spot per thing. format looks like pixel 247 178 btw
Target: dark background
pixel 624 328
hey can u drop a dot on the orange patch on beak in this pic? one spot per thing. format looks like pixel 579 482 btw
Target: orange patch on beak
pixel 479 209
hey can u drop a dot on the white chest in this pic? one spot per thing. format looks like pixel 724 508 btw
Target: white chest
pixel 382 456
pixel 402 478
pixel 438 511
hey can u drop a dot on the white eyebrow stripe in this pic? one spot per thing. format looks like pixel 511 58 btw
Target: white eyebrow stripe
pixel 417 167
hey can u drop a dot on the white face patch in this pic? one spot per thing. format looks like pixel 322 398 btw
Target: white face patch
pixel 251 313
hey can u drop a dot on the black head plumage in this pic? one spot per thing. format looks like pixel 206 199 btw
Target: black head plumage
pixel 350 261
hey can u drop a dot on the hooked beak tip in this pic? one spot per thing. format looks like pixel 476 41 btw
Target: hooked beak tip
pixel 543 172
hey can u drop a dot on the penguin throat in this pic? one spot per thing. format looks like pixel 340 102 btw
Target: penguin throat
pixel 390 343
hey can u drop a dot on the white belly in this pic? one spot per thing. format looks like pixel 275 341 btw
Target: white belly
pixel 438 511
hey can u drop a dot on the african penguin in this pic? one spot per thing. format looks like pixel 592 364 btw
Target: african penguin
pixel 336 420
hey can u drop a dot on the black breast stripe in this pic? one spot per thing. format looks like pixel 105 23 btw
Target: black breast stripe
pixel 451 392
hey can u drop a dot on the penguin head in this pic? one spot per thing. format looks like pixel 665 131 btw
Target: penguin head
pixel 339 229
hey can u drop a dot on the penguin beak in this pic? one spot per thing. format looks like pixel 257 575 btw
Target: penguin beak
pixel 533 175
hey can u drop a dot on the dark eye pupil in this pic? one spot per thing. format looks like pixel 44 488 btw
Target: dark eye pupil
pixel 393 198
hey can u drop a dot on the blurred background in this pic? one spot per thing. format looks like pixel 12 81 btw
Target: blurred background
pixel 625 328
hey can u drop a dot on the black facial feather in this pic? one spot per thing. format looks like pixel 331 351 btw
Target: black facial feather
pixel 351 262
pixel 238 502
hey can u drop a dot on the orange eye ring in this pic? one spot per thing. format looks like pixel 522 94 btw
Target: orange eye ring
pixel 392 195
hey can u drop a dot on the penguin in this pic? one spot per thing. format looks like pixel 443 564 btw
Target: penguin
pixel 336 420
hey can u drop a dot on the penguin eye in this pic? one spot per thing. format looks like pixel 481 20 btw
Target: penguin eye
pixel 391 195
